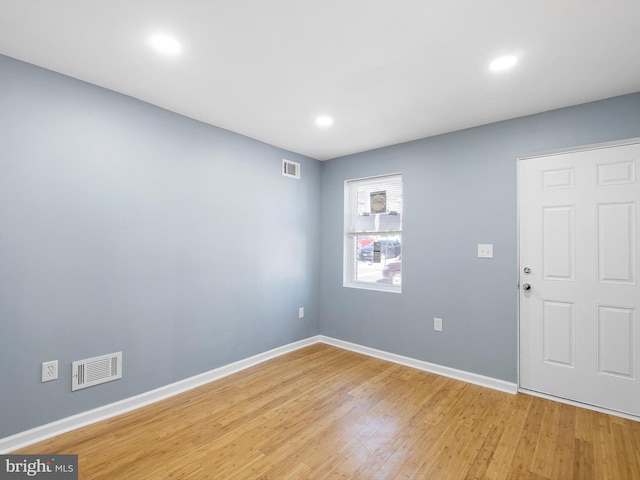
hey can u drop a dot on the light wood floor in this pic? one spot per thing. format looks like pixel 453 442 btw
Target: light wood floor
pixel 322 412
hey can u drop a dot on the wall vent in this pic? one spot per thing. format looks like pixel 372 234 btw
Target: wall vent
pixel 290 169
pixel 96 370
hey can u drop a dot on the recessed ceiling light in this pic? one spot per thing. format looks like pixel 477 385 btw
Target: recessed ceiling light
pixel 503 63
pixel 165 44
pixel 324 121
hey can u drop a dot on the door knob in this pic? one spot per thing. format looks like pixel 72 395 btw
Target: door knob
pixel 526 286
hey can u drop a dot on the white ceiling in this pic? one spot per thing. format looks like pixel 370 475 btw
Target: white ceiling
pixel 387 71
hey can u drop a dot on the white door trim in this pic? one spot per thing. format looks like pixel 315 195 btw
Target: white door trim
pixel 580 148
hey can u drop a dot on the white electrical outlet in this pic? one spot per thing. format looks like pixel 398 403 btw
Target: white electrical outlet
pixel 437 324
pixel 301 312
pixel 485 250
pixel 50 371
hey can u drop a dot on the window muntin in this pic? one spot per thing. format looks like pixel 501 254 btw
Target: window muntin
pixel 373 233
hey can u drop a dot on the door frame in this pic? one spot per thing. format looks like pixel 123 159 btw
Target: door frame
pixel 530 156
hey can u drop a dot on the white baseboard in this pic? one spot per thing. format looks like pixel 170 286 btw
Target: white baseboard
pixel 38 434
pixel 468 377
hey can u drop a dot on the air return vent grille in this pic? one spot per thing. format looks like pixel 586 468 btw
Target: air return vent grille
pixel 290 169
pixel 96 370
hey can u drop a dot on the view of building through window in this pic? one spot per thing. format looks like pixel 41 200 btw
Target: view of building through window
pixel 386 267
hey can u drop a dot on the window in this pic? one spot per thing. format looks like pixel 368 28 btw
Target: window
pixel 373 233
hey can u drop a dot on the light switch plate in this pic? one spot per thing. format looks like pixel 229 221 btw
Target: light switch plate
pixel 485 250
pixel 437 324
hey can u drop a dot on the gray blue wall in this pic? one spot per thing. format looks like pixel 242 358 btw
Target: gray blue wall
pixel 459 190
pixel 126 227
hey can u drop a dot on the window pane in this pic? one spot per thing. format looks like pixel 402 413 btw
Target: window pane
pixel 379 207
pixel 378 259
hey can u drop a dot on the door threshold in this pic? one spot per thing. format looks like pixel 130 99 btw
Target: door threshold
pixel 588 406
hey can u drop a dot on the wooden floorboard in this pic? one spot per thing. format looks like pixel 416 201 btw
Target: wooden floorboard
pixel 323 412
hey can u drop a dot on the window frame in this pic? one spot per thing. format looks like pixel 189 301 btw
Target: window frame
pixel 349 261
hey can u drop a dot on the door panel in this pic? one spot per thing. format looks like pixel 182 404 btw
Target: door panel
pixel 559 333
pixel 616 351
pixel 578 221
pixel 616 173
pixel 558 249
pixel 617 243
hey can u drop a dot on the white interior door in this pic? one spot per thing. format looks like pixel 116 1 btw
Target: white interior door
pixel 578 234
